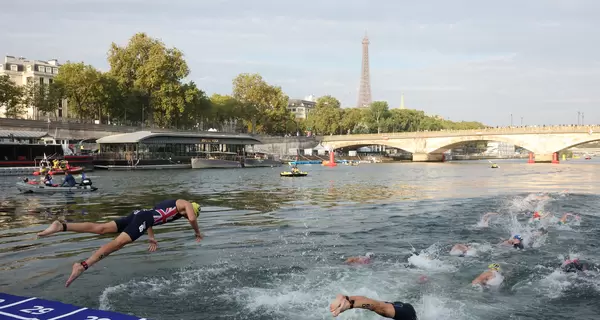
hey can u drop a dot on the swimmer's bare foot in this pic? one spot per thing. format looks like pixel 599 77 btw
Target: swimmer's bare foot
pixel 55 227
pixel 78 269
pixel 339 305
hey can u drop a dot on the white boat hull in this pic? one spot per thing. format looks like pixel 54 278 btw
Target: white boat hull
pixel 253 163
pixel 38 188
pixel 201 163
pixel 145 167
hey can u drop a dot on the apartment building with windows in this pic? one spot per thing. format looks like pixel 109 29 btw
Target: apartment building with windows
pixel 301 107
pixel 23 71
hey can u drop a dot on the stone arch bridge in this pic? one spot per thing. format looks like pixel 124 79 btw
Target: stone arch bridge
pixel 543 142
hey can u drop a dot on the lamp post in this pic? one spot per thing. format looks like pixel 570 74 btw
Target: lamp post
pixel 511 120
pixel 521 121
pixel 582 122
pixel 578 115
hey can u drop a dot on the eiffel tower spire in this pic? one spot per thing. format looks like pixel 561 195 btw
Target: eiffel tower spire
pixel 364 94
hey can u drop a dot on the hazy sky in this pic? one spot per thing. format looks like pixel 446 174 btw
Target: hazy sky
pixel 465 60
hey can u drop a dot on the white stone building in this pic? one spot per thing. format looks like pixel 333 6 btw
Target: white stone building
pixel 301 107
pixel 23 71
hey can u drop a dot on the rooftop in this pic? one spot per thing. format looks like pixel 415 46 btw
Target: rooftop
pixel 17 134
pixel 138 136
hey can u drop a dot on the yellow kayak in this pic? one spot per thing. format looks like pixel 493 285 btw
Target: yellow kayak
pixel 293 174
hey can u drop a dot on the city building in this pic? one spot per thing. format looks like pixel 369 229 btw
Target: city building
pixel 501 149
pixel 301 107
pixel 23 71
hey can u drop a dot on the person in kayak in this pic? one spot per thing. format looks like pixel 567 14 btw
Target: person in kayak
pixel 130 228
pixel 69 180
pixel 392 310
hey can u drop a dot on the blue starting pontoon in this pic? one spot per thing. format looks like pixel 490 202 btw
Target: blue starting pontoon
pixel 23 308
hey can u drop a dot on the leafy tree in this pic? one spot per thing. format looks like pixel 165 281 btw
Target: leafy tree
pixel 12 98
pixel 326 118
pixel 379 111
pixel 264 106
pixel 82 86
pixel 153 72
pixel 353 120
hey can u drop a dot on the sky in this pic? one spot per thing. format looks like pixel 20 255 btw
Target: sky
pixel 537 61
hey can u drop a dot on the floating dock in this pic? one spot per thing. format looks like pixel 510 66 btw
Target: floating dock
pixel 16 171
pixel 23 308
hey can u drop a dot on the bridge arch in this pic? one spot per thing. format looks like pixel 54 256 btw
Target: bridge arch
pixel 398 144
pixel 575 141
pixel 441 145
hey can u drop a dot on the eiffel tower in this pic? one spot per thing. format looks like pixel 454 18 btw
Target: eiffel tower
pixel 364 93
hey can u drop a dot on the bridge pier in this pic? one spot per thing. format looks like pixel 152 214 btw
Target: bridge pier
pixel 546 157
pixel 427 157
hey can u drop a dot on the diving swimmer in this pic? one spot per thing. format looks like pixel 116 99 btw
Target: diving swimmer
pixel 488 275
pixel 130 227
pixel 516 242
pixel 361 260
pixel 392 310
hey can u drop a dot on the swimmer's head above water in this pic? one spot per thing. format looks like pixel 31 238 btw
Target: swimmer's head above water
pixel 494 267
pixel 517 241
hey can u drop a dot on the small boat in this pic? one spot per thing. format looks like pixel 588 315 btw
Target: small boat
pixel 494 166
pixel 588 157
pixel 35 187
pixel 293 174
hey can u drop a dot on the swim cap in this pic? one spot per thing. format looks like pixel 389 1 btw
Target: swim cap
pixel 494 266
pixel 196 208
pixel 518 237
pixel 536 214
pixel 369 254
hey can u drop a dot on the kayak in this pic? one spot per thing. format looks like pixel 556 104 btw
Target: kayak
pixel 38 188
pixel 290 174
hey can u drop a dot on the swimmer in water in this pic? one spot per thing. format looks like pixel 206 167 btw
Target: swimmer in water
pixel 460 248
pixel 574 265
pixel 516 242
pixel 490 274
pixel 537 217
pixel 361 260
pixel 563 219
pixel 392 310
pixel 485 220
pixel 130 228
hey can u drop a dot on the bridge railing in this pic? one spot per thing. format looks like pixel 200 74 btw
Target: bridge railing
pixel 453 133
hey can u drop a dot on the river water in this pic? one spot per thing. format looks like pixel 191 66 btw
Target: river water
pixel 274 248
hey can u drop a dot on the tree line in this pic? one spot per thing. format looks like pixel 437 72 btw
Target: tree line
pixel 145 86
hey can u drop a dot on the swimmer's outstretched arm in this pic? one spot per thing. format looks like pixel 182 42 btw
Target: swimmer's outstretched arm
pixel 343 303
pixel 116 244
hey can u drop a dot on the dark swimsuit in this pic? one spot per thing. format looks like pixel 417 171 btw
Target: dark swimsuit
pixel 137 222
pixel 403 311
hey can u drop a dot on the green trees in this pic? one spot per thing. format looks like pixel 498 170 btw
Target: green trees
pixel 263 107
pixel 378 118
pixel 11 97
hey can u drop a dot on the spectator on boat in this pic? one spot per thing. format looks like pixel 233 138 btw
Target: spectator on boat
pixel 69 180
